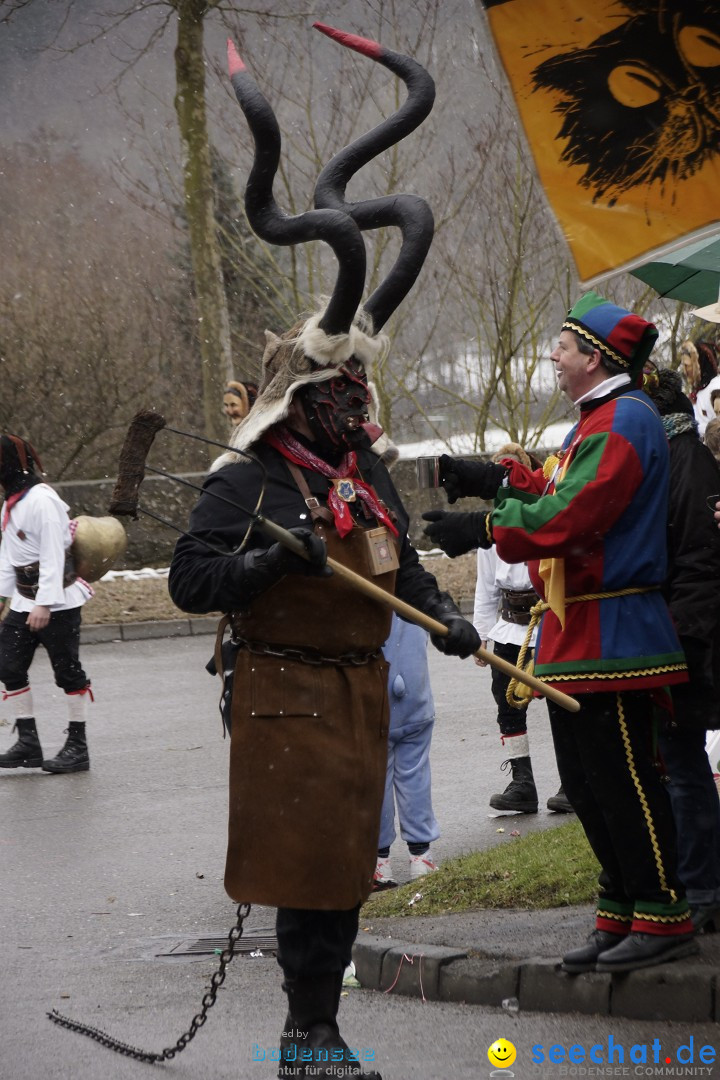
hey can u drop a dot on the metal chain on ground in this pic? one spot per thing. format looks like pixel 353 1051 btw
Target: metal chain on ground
pixel 197 1021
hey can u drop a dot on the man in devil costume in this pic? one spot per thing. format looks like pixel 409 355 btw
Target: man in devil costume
pixel 45 600
pixel 309 712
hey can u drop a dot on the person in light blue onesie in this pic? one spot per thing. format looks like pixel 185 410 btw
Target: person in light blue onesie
pixel 408 782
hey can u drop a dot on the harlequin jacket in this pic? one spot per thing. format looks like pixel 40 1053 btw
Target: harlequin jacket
pixel 601 518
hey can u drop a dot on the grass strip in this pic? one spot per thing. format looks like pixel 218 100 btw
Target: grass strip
pixel 552 868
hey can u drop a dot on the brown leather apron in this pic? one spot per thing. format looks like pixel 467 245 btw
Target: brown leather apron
pixel 308 751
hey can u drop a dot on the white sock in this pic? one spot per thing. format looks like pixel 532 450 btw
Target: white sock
pixel 21 703
pixel 77 703
pixel 516 745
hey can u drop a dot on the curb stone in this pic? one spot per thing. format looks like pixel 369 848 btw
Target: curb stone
pixel 678 992
pixel 102 633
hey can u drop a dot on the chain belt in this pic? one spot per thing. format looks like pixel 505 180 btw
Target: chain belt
pixel 307 656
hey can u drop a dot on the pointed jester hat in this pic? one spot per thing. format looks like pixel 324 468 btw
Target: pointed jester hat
pixel 622 336
pixel 316 348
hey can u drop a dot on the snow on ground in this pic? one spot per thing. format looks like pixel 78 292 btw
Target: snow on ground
pixel 462 443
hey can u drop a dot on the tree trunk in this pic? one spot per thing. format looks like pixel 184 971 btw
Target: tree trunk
pixel 212 312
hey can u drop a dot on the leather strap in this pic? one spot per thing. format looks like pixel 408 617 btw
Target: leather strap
pixel 317 512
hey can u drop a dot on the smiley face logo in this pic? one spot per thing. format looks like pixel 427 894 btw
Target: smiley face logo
pixel 502 1053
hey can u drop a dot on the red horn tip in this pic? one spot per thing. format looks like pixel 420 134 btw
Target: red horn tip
pixel 351 41
pixel 235 64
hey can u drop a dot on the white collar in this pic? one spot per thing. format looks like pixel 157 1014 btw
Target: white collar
pixel 604 388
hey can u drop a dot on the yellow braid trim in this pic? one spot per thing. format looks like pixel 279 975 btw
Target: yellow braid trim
pixel 643 802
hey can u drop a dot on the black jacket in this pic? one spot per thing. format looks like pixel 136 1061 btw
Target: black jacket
pixel 203 581
pixel 692 587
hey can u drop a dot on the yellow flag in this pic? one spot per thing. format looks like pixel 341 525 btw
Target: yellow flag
pixel 620 102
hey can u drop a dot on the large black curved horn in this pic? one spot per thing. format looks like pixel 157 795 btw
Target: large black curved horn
pixel 409 212
pixel 273 225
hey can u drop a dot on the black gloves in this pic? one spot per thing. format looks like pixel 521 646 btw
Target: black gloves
pixel 462 478
pixel 258 569
pixel 457 533
pixel 463 639
pixel 280 560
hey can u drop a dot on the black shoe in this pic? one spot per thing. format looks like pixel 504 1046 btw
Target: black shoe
pixel 560 803
pixel 640 950
pixel 521 794
pixel 26 753
pixel 74 755
pixel 585 958
pixel 705 918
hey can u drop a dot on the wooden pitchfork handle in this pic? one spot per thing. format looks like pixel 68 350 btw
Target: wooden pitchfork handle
pixel 412 614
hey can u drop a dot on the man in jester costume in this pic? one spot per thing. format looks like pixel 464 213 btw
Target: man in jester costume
pixel 592 527
pixel 309 708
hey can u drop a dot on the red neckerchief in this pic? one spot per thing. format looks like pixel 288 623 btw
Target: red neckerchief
pixel 9 503
pixel 283 440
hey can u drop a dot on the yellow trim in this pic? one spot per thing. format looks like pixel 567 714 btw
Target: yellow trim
pixel 645 917
pixel 643 802
pixel 597 342
pixel 613 915
pixel 585 676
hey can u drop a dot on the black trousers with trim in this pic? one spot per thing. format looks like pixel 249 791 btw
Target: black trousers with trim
pixel 605 760
pixel 61 639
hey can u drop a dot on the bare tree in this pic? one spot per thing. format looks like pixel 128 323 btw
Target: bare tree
pixel 87 330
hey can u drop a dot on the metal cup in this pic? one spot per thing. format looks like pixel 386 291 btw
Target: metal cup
pixel 428 472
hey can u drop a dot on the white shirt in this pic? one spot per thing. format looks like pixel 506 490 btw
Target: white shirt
pixel 38 530
pixel 494 575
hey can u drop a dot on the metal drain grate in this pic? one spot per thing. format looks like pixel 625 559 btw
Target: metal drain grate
pixel 262 939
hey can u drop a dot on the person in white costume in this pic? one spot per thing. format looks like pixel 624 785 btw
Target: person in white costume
pixel 503 598
pixel 45 598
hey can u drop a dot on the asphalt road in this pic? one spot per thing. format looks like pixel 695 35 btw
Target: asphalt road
pixel 104 870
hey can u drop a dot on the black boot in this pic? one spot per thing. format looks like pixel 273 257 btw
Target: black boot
pixel 639 950
pixel 520 794
pixel 313 1005
pixel 26 753
pixel 585 958
pixel 74 755
pixel 560 803
pixel 291 1040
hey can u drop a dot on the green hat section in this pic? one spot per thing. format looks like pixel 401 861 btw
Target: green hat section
pixel 623 336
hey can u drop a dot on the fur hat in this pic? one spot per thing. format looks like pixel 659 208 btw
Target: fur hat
pixel 513 450
pixel 621 335
pixel 667 393
pixel 304 354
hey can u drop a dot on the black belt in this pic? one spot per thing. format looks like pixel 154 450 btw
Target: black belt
pixel 27 578
pixel 515 605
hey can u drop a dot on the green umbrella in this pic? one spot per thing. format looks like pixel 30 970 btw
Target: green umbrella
pixel 692 273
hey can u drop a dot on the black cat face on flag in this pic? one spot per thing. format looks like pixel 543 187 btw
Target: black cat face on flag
pixel 641 103
pixel 620 105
